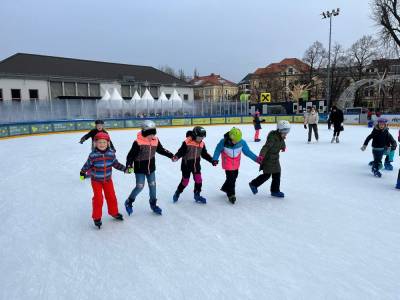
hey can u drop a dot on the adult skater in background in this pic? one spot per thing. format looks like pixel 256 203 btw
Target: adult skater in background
pixel 380 143
pixel 257 126
pixel 311 119
pixel 269 159
pixel 336 118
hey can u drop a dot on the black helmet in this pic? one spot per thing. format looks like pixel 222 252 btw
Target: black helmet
pixel 99 122
pixel 199 131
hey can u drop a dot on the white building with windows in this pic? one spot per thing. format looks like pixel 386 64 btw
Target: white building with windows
pixel 30 76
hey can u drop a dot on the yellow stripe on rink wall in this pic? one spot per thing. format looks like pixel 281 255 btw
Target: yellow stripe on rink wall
pixel 201 121
pixel 181 122
pixel 217 120
pixel 233 120
pixel 247 119
pixel 298 119
pixel 287 118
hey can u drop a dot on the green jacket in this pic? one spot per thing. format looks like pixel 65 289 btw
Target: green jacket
pixel 270 151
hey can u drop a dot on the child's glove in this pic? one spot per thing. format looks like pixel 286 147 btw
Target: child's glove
pixel 363 147
pixel 174 158
pixel 283 149
pixel 214 162
pixel 129 170
pixel 260 159
pixel 305 126
pixel 82 175
pixel 81 141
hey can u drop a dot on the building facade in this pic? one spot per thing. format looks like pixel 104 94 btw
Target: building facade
pixel 29 76
pixel 213 87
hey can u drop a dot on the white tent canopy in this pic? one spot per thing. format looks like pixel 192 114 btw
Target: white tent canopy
pixel 136 96
pixel 106 96
pixel 115 95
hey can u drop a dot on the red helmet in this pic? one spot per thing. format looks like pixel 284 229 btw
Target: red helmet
pixel 102 136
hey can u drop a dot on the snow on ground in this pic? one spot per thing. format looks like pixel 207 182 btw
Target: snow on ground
pixel 334 236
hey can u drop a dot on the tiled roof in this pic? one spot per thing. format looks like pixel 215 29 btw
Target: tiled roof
pixel 212 79
pixel 282 66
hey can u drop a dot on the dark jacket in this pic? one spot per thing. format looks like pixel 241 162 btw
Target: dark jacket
pixel 257 122
pixel 336 117
pixel 91 134
pixel 380 138
pixel 190 152
pixel 101 163
pixel 270 151
pixel 142 154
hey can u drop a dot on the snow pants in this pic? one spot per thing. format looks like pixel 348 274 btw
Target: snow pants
pixel 198 181
pixel 229 185
pixel 97 201
pixel 257 134
pixel 275 184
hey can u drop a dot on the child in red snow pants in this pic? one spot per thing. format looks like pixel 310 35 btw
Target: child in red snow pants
pixel 109 193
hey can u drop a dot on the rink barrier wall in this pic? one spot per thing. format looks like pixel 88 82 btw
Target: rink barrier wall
pixel 61 126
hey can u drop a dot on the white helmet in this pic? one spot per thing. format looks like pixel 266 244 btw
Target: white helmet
pixel 147 125
pixel 283 126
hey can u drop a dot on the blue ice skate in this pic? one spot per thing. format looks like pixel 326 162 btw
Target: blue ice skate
pixel 175 197
pixel 253 188
pixel 376 173
pixel 128 206
pixel 398 184
pixel 153 205
pixel 199 199
pixel 277 194
pixel 388 166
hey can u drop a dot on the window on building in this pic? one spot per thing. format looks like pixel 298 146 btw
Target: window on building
pixel 69 89
pixel 15 94
pixel 94 89
pixel 1 94
pixel 82 89
pixel 290 71
pixel 185 97
pixel 125 91
pixel 33 94
pixel 56 89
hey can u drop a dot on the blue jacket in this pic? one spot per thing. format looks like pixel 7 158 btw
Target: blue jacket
pixel 231 153
pixel 101 163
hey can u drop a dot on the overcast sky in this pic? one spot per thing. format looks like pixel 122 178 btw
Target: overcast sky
pixel 227 37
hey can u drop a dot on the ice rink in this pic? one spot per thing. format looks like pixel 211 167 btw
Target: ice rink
pixel 335 235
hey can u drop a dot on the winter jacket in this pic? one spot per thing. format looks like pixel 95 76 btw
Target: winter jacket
pixel 311 118
pixel 142 154
pixel 92 133
pixel 380 138
pixel 270 151
pixel 336 117
pixel 231 153
pixel 190 152
pixel 101 163
pixel 257 122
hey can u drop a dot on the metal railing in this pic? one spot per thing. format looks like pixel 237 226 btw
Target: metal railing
pixel 75 109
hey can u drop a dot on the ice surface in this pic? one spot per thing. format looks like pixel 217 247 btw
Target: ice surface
pixel 334 236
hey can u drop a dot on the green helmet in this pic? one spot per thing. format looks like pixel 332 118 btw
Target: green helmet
pixel 235 134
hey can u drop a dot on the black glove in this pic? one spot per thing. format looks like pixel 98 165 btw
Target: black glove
pixel 215 162
pixel 81 141
pixel 81 173
pixel 305 126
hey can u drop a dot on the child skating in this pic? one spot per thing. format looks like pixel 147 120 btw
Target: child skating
pixel 269 159
pixel 92 133
pixel 142 158
pixel 257 126
pixel 380 143
pixel 191 151
pixel 231 148
pixel 100 162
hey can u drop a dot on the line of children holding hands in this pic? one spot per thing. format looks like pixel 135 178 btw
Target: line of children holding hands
pixel 141 161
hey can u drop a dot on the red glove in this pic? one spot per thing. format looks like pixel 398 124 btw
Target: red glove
pixel 260 159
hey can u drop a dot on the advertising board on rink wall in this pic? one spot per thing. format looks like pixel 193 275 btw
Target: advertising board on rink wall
pixel 18 129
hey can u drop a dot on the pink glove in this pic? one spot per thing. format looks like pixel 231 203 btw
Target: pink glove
pixel 260 159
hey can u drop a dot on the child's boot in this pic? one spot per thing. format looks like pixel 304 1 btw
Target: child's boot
pixel 154 207
pixel 199 199
pixel 97 223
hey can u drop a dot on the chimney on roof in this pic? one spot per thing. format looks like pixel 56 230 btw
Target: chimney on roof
pixel 212 74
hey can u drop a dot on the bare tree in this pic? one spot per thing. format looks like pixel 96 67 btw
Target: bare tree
pixel 315 56
pixel 338 71
pixel 361 54
pixel 386 14
pixel 167 69
pixel 181 75
pixel 195 73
